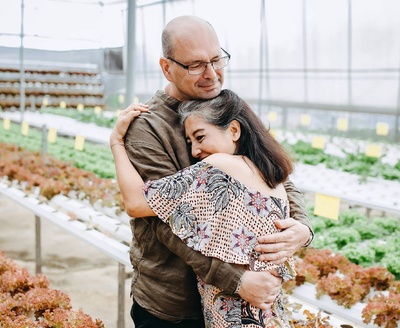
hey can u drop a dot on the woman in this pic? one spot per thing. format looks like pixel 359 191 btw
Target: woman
pixel 220 205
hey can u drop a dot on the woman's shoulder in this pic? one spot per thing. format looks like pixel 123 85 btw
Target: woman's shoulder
pixel 220 159
pixel 226 162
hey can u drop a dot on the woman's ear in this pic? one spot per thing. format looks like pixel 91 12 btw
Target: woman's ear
pixel 164 64
pixel 234 128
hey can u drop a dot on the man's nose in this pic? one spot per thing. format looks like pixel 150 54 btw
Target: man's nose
pixel 210 71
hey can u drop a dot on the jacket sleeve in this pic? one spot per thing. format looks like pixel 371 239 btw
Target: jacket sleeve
pixel 153 161
pixel 298 209
pixel 211 270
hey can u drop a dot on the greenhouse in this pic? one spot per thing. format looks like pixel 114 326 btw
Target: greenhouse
pixel 323 77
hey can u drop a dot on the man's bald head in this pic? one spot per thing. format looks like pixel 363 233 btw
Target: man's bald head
pixel 184 29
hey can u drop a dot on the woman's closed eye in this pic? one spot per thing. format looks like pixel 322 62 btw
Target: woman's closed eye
pixel 199 138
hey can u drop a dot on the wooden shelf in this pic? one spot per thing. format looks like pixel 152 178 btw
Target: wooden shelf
pixel 70 86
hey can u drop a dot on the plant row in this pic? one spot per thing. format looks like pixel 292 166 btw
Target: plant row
pixel 98 158
pixel 364 240
pixel 28 301
pixel 355 162
pixel 46 177
pixel 348 283
pixel 94 157
pixel 87 115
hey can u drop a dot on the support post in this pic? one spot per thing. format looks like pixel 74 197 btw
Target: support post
pixel 38 245
pixel 130 57
pixel 121 296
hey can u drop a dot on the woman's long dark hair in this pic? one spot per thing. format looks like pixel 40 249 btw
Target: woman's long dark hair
pixel 255 141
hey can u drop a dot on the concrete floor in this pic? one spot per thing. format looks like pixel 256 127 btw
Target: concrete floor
pixel 73 266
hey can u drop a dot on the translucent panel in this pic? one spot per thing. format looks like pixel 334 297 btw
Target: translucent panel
pixel 376 26
pixel 331 90
pixel 291 90
pixel 10 17
pixel 285 36
pixel 380 93
pixel 10 40
pixel 63 25
pixel 326 30
pixel 238 34
pixel 289 50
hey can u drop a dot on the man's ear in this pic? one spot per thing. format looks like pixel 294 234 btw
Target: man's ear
pixel 164 64
pixel 234 128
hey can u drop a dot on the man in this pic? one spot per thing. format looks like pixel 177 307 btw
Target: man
pixel 164 284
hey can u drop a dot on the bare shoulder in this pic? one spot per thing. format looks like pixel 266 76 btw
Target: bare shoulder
pixel 225 162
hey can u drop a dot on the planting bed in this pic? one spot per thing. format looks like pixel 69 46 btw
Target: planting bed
pixel 50 183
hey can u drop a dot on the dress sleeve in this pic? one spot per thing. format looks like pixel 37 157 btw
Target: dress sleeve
pixel 151 161
pixel 214 214
pixel 176 200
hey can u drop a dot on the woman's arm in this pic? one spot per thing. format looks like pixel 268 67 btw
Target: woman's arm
pixel 129 180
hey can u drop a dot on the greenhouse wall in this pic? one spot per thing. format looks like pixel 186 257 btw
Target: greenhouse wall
pixel 336 52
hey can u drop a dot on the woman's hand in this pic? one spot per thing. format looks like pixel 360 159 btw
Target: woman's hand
pixel 124 120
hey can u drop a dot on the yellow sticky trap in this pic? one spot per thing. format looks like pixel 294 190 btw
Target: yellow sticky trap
pixel 80 108
pixel 121 99
pixel 273 133
pixel 63 104
pixel 136 100
pixel 382 129
pixel 45 101
pixel 97 110
pixel 118 112
pixel 342 124
pixel 25 128
pixel 327 206
pixel 6 124
pixel 52 135
pixel 373 150
pixel 318 142
pixel 272 116
pixel 305 119
pixel 79 142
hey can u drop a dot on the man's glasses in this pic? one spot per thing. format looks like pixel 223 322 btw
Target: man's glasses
pixel 199 68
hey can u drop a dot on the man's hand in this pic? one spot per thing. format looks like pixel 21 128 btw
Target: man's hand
pixel 278 247
pixel 260 289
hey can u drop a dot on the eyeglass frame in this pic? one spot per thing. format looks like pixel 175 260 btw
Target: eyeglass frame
pixel 186 67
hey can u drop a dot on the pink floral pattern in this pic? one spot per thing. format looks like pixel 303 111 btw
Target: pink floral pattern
pixel 219 216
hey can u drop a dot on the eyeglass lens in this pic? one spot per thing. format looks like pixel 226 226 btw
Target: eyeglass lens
pixel 201 67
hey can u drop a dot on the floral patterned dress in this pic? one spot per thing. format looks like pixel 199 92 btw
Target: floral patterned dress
pixel 217 215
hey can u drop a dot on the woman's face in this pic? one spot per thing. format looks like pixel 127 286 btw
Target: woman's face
pixel 206 139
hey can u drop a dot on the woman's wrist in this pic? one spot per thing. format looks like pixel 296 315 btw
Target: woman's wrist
pixel 116 140
pixel 117 144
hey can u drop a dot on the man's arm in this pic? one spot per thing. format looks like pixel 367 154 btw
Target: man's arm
pixel 296 231
pixel 152 161
pixel 258 288
pixel 298 209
